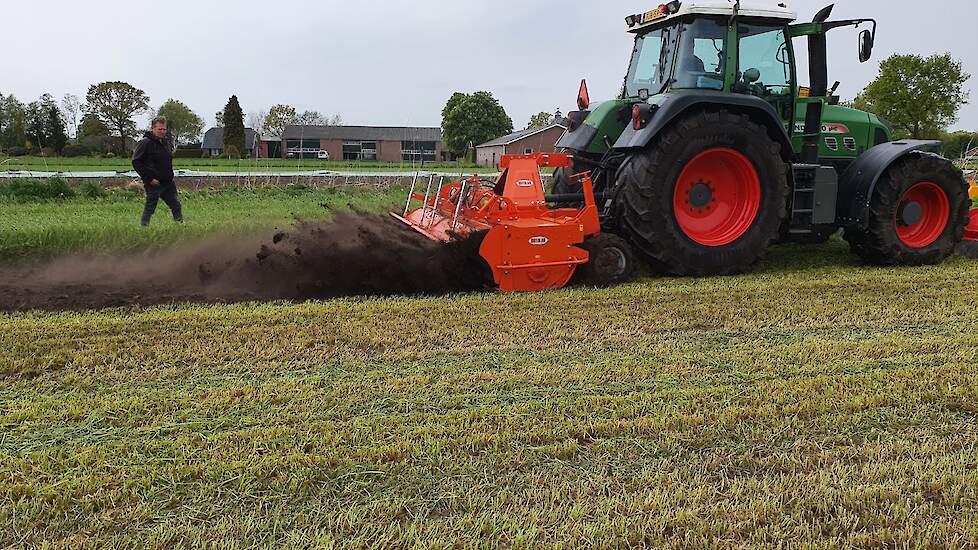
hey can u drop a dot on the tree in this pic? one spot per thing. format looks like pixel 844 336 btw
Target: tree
pixel 278 117
pixel 54 126
pixel 920 96
pixel 313 118
pixel 91 126
pixel 219 119
pixel 540 120
pixel 12 122
pixel 34 125
pixel 234 134
pixel 44 124
pixel 958 144
pixel 115 104
pixel 256 121
pixel 468 120
pixel 71 106
pixel 185 126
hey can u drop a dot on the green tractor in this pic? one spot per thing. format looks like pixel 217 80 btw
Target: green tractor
pixel 713 151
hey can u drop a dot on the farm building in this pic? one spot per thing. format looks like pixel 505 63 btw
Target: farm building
pixel 383 143
pixel 214 142
pixel 534 140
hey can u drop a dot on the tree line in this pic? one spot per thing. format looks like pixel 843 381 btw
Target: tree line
pixel 105 122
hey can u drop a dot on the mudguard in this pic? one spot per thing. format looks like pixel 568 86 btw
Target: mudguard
pixel 579 140
pixel 674 105
pixel 858 182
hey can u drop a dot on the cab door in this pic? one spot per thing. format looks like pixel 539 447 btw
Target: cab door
pixel 766 67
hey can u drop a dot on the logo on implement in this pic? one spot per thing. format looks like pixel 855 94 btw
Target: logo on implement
pixel 525 183
pixel 539 241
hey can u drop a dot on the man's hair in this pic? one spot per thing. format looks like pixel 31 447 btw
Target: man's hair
pixel 157 120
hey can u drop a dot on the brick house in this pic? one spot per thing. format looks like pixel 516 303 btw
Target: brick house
pixel 534 140
pixel 382 143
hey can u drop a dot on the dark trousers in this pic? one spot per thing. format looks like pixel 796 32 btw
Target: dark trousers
pixel 167 192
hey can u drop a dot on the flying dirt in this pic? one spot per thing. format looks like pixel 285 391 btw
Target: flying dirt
pixel 354 254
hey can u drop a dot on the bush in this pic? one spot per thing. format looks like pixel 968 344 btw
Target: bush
pixel 186 154
pixel 75 151
pixel 232 152
pixel 48 152
pixel 17 151
pixel 110 155
pixel 91 189
pixel 31 190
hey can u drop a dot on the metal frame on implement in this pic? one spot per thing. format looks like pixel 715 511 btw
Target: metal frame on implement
pixel 971 231
pixel 527 245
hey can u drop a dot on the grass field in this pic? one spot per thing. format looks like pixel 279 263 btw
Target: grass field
pixel 816 403
pixel 92 164
pixel 29 230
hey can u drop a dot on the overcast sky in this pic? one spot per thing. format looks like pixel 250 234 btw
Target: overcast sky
pixel 396 62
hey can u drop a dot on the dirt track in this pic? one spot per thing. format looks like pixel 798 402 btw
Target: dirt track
pixel 356 254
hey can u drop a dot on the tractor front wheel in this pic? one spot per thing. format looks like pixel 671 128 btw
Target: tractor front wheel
pixel 917 215
pixel 707 197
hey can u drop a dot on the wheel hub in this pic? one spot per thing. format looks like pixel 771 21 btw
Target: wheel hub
pixel 922 214
pixel 700 195
pixel 717 197
pixel 911 213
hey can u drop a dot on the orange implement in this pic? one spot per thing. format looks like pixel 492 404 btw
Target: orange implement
pixel 528 245
pixel 971 232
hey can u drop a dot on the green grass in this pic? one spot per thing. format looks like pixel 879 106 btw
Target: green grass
pixel 30 230
pixel 816 403
pixel 92 164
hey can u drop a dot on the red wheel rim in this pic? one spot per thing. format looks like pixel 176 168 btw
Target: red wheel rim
pixel 922 215
pixel 717 197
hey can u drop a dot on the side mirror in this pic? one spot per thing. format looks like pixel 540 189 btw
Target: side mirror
pixel 865 46
pixel 752 75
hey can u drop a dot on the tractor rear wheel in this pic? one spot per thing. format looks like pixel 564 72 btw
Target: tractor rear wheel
pixel 563 184
pixel 708 197
pixel 611 261
pixel 917 214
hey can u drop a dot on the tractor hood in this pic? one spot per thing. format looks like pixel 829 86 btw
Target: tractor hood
pixel 604 123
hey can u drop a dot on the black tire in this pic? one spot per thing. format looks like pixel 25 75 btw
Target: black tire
pixel 563 184
pixel 880 243
pixel 648 180
pixel 611 262
pixel 968 249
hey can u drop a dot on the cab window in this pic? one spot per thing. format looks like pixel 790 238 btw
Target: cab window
pixel 701 55
pixel 764 62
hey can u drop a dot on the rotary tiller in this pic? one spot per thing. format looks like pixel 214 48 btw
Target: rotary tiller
pixel 527 245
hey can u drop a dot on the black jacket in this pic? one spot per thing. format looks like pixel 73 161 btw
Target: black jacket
pixel 153 160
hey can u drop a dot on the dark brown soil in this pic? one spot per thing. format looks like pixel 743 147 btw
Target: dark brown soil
pixel 356 254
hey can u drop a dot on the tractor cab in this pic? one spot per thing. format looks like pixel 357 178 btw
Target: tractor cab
pixel 694 46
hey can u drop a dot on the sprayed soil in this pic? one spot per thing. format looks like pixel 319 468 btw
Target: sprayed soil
pixel 355 254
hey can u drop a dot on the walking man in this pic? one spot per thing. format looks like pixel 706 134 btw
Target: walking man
pixel 153 161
